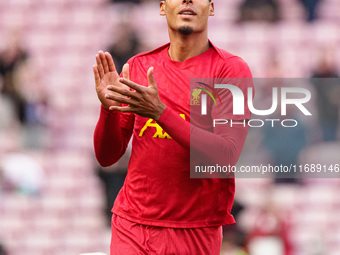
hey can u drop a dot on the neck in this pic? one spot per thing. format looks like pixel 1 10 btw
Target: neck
pixel 183 47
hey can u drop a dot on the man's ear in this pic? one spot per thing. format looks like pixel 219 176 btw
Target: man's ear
pixel 212 9
pixel 162 8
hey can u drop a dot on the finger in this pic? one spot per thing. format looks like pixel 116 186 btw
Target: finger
pixel 122 91
pixel 126 71
pixel 120 99
pixel 100 66
pixel 132 85
pixel 121 108
pixel 104 61
pixel 110 62
pixel 151 79
pixel 96 75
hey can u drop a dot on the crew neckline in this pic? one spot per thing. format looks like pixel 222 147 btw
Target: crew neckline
pixel 188 61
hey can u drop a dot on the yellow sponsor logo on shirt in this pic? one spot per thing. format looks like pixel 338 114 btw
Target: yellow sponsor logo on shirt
pixel 159 131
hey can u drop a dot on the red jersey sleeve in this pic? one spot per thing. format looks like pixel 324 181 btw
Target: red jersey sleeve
pixel 224 144
pixel 112 135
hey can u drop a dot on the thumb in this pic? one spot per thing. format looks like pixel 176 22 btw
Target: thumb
pixel 151 79
pixel 126 73
pixel 96 75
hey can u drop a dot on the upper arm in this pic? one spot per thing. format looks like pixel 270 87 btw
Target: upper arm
pixel 234 100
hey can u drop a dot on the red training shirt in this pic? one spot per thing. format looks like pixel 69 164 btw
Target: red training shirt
pixel 158 190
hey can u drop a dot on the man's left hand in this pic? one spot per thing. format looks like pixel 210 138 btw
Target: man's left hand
pixel 143 101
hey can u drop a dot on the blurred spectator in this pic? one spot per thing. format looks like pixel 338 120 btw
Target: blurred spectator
pixel 126 46
pixel 23 95
pixel 113 178
pixel 259 10
pixel 284 145
pixel 311 8
pixel 10 60
pixel 20 173
pixel 328 94
pixel 34 92
pixel 269 234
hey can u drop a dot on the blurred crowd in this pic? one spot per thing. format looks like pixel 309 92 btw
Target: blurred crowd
pixel 269 10
pixel 25 108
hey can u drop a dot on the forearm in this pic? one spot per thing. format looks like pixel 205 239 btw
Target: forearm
pixel 176 127
pixel 110 140
pixel 224 146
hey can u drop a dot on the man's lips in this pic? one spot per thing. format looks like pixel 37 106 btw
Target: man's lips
pixel 187 11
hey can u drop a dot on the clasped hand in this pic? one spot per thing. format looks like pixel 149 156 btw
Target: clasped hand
pixel 113 91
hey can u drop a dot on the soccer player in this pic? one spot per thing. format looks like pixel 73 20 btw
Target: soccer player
pixel 160 209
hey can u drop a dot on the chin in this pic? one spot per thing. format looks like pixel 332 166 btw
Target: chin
pixel 185 30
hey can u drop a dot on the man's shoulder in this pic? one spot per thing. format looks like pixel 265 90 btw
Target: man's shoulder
pixel 148 54
pixel 231 65
pixel 228 57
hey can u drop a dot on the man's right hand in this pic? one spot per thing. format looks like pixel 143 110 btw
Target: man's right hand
pixel 105 74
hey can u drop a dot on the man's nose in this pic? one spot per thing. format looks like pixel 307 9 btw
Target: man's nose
pixel 187 1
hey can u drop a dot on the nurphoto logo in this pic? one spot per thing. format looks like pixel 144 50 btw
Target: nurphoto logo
pixel 281 97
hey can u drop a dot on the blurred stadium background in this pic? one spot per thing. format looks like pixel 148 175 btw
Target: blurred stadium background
pixel 52 200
